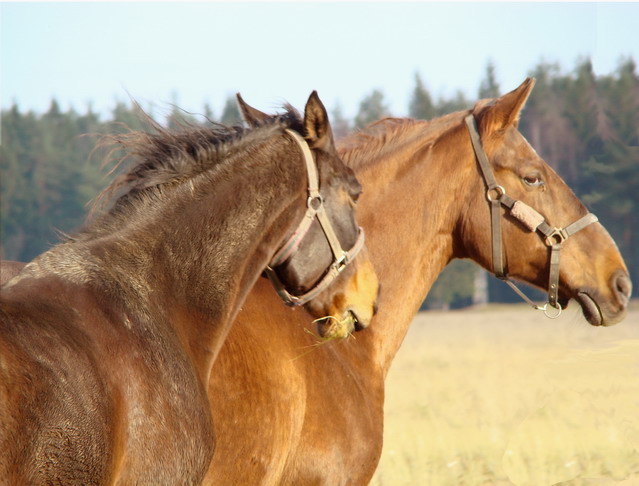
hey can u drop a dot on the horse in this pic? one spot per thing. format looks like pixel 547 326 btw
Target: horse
pixel 291 416
pixel 107 339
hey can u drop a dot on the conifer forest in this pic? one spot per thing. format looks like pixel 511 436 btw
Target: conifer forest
pixel 586 126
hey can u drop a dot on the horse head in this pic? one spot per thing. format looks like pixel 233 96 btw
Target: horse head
pixel 544 227
pixel 301 265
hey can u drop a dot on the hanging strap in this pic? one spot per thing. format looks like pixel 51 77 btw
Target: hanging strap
pixel 493 199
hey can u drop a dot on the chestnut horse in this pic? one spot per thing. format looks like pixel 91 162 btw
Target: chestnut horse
pixel 293 417
pixel 107 340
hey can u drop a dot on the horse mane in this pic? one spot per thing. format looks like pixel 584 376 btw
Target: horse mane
pixel 372 143
pixel 163 157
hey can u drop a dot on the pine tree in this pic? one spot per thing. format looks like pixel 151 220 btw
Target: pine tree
pixel 340 125
pixel 489 87
pixel 231 113
pixel 179 119
pixel 19 133
pixel 612 171
pixel 585 111
pixel 623 104
pixel 454 287
pixel 456 103
pixel 208 113
pixel 371 108
pixel 421 105
pixel 546 125
pixel 125 118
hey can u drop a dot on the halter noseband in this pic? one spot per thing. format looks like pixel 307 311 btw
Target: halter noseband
pixel 552 237
pixel 314 210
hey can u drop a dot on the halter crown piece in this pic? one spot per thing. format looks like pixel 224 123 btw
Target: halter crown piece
pixel 314 210
pixel 552 237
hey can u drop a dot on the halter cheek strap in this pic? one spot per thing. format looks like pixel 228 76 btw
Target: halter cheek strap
pixel 314 210
pixel 531 219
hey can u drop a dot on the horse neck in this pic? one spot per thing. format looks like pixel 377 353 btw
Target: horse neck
pixel 192 263
pixel 411 207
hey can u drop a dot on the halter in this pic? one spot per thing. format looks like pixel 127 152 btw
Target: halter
pixel 314 210
pixel 551 236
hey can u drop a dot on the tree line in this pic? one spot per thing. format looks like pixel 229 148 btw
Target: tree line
pixel 584 125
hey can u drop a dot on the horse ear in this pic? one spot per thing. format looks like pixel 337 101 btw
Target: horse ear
pixel 318 129
pixel 504 111
pixel 252 117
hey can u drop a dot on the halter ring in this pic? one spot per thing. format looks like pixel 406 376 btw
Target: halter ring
pixel 498 189
pixel 557 237
pixel 315 202
pixel 551 316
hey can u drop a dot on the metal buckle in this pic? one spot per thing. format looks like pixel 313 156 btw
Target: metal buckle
pixel 557 237
pixel 315 202
pixel 498 189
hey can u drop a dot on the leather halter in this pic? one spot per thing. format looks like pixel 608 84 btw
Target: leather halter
pixel 315 210
pixel 553 237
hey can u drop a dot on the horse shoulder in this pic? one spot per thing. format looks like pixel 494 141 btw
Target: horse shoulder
pixel 306 397
pixel 344 418
pixel 256 384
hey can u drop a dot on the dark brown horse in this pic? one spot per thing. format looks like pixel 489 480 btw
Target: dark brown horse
pixel 293 417
pixel 107 340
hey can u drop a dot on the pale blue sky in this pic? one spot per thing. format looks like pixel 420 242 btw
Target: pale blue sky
pixel 202 52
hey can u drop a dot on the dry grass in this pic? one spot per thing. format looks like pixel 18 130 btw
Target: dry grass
pixel 502 395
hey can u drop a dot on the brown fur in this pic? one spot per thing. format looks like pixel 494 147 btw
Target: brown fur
pixel 9 269
pixel 285 419
pixel 293 413
pixel 107 340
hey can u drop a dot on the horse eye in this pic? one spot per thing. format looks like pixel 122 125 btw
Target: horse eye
pixel 533 181
pixel 354 195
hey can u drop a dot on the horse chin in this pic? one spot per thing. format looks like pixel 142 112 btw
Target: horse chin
pixel 590 309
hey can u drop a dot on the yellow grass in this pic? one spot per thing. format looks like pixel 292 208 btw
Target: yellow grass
pixel 502 395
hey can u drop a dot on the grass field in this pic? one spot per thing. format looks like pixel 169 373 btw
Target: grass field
pixel 502 395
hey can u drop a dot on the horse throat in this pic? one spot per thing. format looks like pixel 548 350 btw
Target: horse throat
pixel 409 210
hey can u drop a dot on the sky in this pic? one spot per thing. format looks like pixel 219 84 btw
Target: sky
pixel 192 53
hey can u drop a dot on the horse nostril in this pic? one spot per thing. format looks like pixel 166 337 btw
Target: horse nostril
pixel 622 287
